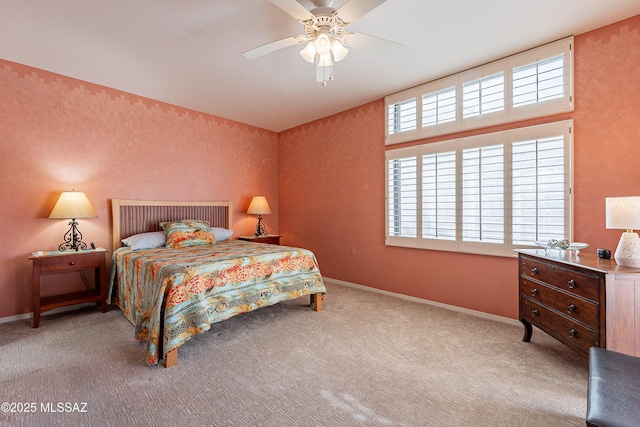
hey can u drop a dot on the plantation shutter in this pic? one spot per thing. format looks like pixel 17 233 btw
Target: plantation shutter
pixel 539 190
pixel 483 96
pixel 401 116
pixel 487 194
pixel 531 84
pixel 439 107
pixel 402 197
pixel 483 194
pixel 439 196
pixel 539 81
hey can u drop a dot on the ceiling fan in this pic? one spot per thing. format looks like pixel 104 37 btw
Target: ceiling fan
pixel 325 35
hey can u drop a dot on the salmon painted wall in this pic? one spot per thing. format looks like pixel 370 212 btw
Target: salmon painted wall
pixel 57 134
pixel 332 185
pixel 324 180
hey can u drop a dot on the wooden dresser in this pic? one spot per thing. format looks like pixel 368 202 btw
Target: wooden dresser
pixel 565 295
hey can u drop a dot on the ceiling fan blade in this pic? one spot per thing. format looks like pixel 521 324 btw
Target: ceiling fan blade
pixel 273 46
pixel 354 9
pixel 293 8
pixel 365 41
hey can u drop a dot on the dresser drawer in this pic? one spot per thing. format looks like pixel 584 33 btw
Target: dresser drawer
pixel 573 281
pixel 566 303
pixel 561 328
pixel 69 262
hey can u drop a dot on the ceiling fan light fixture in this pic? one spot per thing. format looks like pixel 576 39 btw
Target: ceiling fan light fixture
pixel 324 32
pixel 308 53
pixel 338 50
pixel 322 43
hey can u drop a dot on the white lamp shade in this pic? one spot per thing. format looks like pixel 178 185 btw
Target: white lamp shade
pixel 259 206
pixel 623 213
pixel 308 53
pixel 73 205
pixel 338 50
pixel 322 44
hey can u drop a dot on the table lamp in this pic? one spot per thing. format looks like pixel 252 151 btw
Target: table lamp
pixel 73 205
pixel 624 213
pixel 259 206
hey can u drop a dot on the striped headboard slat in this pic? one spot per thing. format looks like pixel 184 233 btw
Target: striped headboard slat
pixel 138 216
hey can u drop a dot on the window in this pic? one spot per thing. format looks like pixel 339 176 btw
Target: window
pixel 485 194
pixel 538 189
pixel 539 81
pixel 531 84
pixel 439 107
pixel 402 116
pixel 483 96
pixel 403 185
pixel 439 198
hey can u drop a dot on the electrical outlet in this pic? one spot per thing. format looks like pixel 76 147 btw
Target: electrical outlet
pixel 353 251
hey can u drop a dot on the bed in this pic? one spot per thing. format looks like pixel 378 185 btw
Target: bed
pixel 178 288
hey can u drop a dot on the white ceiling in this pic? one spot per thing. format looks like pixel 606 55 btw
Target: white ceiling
pixel 189 52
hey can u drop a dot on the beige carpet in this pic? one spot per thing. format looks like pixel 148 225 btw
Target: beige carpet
pixel 367 359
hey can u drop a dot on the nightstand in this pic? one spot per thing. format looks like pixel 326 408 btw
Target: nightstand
pixel 272 239
pixel 66 262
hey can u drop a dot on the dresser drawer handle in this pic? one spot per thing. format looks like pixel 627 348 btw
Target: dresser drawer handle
pixel 534 292
pixel 72 263
pixel 534 312
pixel 571 308
pixel 534 270
pixel 573 333
pixel 571 283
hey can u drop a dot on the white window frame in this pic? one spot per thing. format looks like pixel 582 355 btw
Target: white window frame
pixel 508 115
pixel 507 138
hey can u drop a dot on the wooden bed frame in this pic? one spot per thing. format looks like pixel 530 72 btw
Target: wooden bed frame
pixel 139 216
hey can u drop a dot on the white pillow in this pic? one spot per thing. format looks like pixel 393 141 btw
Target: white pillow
pixel 154 239
pixel 221 233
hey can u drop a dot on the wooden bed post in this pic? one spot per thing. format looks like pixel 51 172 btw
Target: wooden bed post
pixel 316 301
pixel 171 358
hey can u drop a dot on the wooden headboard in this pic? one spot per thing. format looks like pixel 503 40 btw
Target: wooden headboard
pixel 140 216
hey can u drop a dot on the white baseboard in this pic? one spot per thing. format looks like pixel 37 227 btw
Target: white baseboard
pixel 29 315
pixel 426 301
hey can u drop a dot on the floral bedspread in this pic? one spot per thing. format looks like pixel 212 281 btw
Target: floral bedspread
pixel 178 293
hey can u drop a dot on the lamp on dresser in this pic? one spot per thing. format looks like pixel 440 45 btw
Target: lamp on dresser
pixel 259 206
pixel 624 213
pixel 73 205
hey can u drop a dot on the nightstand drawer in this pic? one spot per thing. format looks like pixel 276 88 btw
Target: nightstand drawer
pixel 69 262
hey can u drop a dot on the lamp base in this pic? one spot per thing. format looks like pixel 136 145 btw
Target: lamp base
pixel 260 231
pixel 72 239
pixel 628 251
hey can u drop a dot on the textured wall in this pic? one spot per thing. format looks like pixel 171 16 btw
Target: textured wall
pixel 607 126
pixel 57 133
pixel 324 180
pixel 337 202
